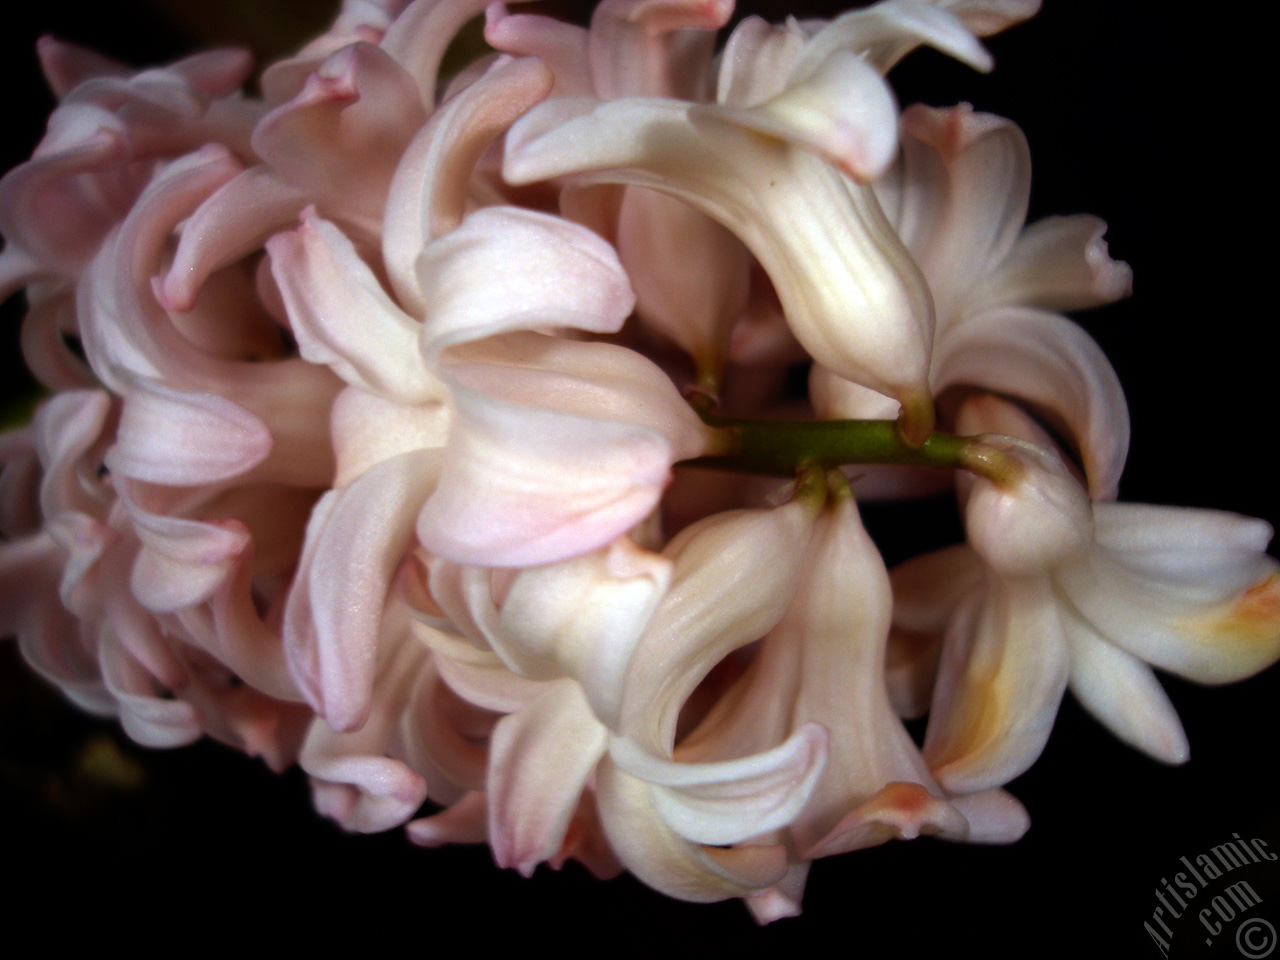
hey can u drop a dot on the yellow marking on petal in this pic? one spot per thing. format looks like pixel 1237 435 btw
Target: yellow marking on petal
pixel 1247 628
pixel 982 720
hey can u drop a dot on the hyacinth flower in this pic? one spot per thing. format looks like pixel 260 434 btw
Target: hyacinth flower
pixel 1125 585
pixel 434 433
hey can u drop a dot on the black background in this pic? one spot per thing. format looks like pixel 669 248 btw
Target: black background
pixel 1152 122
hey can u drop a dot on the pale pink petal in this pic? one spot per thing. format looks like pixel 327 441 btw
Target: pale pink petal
pixel 734 576
pixel 927 589
pixel 835 398
pixel 884 33
pixel 20 477
pixel 838 628
pixel 466 821
pixel 342 317
pixel 355 542
pixel 231 629
pixel 586 843
pixel 985 17
pixel 781 900
pixel 67 429
pixel 911 666
pixel 130 339
pixel 580 618
pixel 49 637
pixel 561 46
pixel 366 794
pixel 666 861
pixel 18 269
pixel 691 275
pixel 1193 594
pixel 842 111
pixel 84 540
pixel 539 762
pixel 657 48
pixel 899 811
pixel 67 65
pixel 357 21
pixel 1124 694
pixel 1032 523
pixel 556 448
pixel 1003 672
pixel 994 816
pixel 418 38
pixel 476 675
pixel 47 332
pixel 368 429
pixel 445 735
pixel 124 329
pixel 1058 263
pixel 511 269
pixel 850 291
pixel 180 438
pixel 148 717
pixel 182 562
pixel 48 208
pixel 969 178
pixel 824 663
pixel 339 139
pixel 357 780
pixel 429 193
pixel 1051 364
pixel 215 73
pixel 757 61
pixel 730 801
pixel 234 221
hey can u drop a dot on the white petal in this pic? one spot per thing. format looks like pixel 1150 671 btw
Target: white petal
pixel 1124 694
pixel 581 618
pixel 1050 363
pixel 1203 606
pixel 1058 263
pixel 886 32
pixel 735 573
pixel 1034 522
pixel 731 801
pixel 1004 669
pixel 666 861
pixel 994 816
pixel 850 291
pixel 968 179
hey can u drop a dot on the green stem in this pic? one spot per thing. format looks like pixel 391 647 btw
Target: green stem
pixel 782 448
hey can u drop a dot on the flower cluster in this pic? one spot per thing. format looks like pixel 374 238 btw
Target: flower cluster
pixel 435 434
